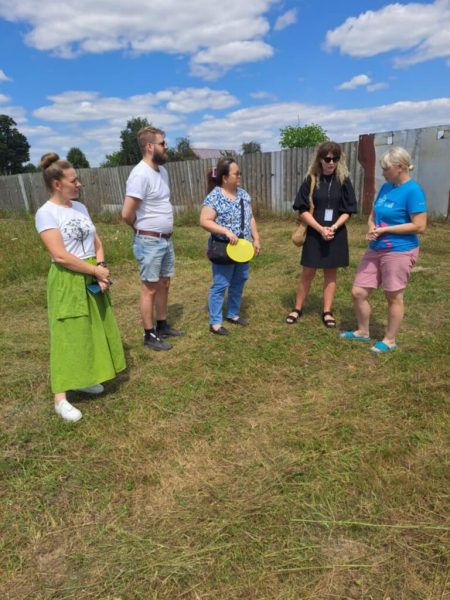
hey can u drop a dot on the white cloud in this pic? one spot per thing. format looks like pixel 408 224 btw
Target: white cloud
pixel 96 143
pixel 421 28
pixel 362 81
pixel 259 123
pixel 263 123
pixel 3 76
pixel 36 130
pixel 263 96
pixel 213 62
pixel 94 122
pixel 17 113
pixel 374 87
pixel 196 28
pixel 195 99
pixel 75 106
pixel 4 99
pixel 354 82
pixel 288 18
pixel 78 106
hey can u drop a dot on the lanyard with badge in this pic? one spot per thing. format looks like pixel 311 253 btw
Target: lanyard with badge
pixel 329 211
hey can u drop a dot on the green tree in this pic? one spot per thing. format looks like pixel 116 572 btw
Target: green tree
pixel 250 147
pixel 29 168
pixel 302 137
pixel 14 147
pixel 182 151
pixel 115 159
pixel 77 158
pixel 129 147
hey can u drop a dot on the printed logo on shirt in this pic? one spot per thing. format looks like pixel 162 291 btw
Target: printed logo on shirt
pixel 76 229
pixel 384 201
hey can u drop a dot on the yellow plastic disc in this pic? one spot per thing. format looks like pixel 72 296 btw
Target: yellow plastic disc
pixel 243 251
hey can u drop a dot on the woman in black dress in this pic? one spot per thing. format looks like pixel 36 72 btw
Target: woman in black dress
pixel 326 245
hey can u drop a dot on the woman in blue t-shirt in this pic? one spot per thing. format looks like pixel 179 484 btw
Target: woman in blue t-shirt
pixel 399 213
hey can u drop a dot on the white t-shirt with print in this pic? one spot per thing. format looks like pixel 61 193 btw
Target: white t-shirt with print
pixel 155 212
pixel 74 223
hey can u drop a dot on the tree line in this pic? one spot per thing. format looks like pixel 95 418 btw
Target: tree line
pixel 15 149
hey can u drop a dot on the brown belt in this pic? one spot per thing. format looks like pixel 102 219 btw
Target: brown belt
pixel 166 236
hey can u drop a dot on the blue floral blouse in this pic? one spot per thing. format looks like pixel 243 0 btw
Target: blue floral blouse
pixel 229 211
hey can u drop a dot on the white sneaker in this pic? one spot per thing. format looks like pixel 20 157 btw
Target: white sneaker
pixel 93 389
pixel 68 412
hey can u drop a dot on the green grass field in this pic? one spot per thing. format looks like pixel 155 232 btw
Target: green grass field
pixel 278 463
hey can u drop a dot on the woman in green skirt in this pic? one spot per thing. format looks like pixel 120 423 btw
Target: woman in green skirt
pixel 85 344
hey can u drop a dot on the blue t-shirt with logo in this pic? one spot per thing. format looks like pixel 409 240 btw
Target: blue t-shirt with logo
pixel 394 205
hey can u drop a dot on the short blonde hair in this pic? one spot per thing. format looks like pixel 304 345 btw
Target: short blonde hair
pixel 146 135
pixel 397 157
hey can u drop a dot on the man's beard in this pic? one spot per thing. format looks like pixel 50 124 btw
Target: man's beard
pixel 159 158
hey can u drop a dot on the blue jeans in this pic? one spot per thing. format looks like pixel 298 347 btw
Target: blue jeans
pixel 226 277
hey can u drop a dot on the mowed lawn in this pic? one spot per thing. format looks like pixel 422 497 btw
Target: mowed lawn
pixel 277 463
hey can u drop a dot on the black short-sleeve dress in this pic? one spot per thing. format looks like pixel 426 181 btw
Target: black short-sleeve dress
pixel 331 199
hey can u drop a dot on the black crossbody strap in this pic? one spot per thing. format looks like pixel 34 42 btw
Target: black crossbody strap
pixel 241 233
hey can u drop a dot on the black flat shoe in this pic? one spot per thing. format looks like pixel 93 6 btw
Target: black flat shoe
pixel 238 321
pixel 220 331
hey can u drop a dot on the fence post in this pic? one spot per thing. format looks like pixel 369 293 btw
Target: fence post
pixel 24 194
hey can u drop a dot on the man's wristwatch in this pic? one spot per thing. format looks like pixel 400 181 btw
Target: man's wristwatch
pixel 102 263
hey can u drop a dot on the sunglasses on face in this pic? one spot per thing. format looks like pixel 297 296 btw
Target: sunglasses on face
pixel 329 159
pixel 163 144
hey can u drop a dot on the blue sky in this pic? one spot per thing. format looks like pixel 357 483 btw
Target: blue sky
pixel 72 74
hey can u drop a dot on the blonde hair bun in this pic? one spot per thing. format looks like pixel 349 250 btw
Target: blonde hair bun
pixel 48 159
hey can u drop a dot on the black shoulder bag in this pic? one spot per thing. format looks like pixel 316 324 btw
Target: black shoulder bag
pixel 217 247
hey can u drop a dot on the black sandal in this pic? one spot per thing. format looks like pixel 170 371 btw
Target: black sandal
pixel 290 319
pixel 330 323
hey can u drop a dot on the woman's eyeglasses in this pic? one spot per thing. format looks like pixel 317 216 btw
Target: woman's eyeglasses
pixel 329 159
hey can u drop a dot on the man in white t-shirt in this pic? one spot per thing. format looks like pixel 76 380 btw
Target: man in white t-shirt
pixel 148 210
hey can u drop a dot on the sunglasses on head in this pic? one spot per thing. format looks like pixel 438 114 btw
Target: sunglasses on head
pixel 329 159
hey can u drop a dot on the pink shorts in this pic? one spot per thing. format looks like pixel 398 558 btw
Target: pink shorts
pixel 390 269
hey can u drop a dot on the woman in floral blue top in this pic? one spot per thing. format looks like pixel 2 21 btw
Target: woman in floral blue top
pixel 221 216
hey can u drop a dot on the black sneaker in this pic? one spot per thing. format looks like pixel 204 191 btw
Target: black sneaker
pixel 168 331
pixel 155 343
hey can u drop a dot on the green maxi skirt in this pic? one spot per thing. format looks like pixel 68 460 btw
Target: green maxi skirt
pixel 85 344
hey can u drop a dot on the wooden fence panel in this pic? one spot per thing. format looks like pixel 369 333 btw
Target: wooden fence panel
pixel 271 178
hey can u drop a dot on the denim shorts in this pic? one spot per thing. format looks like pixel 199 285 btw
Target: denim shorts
pixel 155 257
